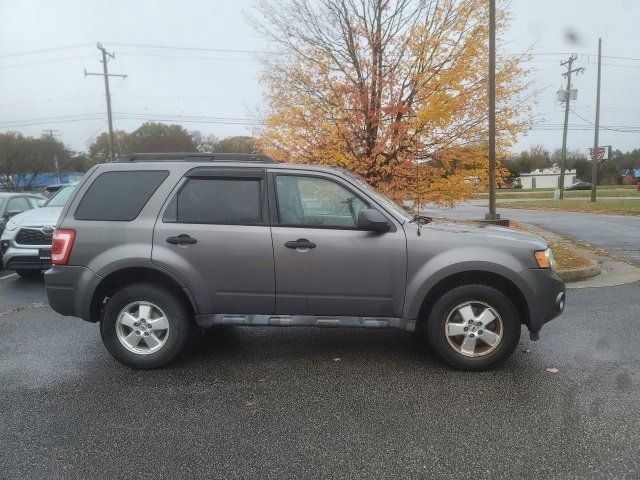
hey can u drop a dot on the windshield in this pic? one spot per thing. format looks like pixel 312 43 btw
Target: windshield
pixel 60 197
pixel 378 197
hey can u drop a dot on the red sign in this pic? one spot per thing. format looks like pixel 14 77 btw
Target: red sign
pixel 601 154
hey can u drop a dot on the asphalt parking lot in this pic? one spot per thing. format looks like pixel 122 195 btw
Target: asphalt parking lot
pixel 315 403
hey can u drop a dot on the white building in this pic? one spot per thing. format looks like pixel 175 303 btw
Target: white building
pixel 547 178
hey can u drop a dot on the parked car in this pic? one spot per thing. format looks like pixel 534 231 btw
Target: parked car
pixel 51 189
pixel 26 240
pixel 579 186
pixel 151 246
pixel 11 204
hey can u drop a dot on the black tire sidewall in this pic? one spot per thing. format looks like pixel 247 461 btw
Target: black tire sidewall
pixel 180 325
pixel 496 299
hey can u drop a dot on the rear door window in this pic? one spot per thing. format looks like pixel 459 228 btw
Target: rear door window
pixel 226 201
pixel 119 196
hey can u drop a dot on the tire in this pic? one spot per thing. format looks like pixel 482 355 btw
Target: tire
pixel 29 274
pixel 160 346
pixel 478 303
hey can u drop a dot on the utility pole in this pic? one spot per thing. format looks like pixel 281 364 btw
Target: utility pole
pixel 51 133
pixel 492 215
pixel 105 73
pixel 594 167
pixel 567 100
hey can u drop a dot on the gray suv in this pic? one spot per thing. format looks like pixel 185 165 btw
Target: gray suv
pixel 152 246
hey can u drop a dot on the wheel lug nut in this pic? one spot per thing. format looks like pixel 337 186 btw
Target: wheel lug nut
pixel 479 323
pixel 137 332
pixel 136 324
pixel 479 332
pixel 466 329
pixel 470 321
pixel 146 333
pixel 471 335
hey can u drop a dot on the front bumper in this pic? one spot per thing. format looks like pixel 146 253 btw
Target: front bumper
pixel 546 294
pixel 23 258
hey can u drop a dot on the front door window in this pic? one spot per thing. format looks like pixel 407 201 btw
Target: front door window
pixel 316 202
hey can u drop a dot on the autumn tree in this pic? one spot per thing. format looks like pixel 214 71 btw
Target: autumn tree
pixel 392 89
pixel 535 158
pixel 237 144
pixel 24 159
pixel 150 137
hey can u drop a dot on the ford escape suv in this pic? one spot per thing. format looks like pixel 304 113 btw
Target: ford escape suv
pixel 152 245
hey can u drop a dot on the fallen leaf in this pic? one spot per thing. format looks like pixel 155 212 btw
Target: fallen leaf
pixel 250 403
pixel 526 350
pixel 552 370
pixel 337 359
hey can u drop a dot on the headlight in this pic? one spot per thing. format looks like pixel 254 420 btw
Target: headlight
pixel 11 225
pixel 545 259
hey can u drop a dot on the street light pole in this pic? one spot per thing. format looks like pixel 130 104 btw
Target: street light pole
pixel 596 140
pixel 492 215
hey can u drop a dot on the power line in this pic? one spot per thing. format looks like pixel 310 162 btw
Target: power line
pixel 184 57
pixel 562 54
pixel 132 116
pixel 194 49
pixel 63 59
pixel 581 117
pixel 44 50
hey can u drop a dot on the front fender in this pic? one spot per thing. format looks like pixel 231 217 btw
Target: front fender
pixel 451 262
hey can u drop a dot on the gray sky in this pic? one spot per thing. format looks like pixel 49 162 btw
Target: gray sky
pixel 49 90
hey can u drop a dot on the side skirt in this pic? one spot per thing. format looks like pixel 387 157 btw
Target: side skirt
pixel 254 320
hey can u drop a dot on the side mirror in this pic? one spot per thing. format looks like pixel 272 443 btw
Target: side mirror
pixel 373 220
pixel 42 202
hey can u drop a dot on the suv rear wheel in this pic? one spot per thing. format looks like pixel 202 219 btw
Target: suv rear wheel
pixel 145 326
pixel 474 327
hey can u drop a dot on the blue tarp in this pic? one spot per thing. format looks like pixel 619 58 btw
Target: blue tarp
pixel 45 179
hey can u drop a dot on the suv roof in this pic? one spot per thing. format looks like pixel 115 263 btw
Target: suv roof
pixel 195 157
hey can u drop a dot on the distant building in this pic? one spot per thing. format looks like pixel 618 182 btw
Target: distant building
pixel 547 178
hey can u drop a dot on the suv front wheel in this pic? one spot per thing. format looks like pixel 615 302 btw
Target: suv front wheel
pixel 145 326
pixel 474 327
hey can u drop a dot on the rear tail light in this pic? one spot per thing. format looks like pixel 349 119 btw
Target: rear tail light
pixel 61 246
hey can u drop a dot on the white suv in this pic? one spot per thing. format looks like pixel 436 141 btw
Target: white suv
pixel 26 240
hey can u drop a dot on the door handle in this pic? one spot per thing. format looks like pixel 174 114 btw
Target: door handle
pixel 300 243
pixel 182 240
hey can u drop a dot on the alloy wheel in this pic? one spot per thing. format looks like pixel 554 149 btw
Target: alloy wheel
pixel 142 328
pixel 474 329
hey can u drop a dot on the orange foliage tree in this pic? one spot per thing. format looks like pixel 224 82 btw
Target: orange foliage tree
pixel 394 90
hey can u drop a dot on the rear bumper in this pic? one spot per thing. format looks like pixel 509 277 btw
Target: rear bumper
pixel 546 294
pixel 70 290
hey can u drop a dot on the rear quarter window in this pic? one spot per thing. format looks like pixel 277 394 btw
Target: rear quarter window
pixel 119 196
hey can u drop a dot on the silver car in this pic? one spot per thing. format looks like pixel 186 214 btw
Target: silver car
pixel 26 240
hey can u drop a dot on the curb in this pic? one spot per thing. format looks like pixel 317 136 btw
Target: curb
pixel 575 274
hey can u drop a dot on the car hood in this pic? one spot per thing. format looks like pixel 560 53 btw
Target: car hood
pixel 492 235
pixel 38 217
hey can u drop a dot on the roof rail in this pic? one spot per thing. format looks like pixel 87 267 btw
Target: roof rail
pixel 194 157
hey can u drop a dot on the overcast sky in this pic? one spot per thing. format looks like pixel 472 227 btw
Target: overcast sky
pixel 218 92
